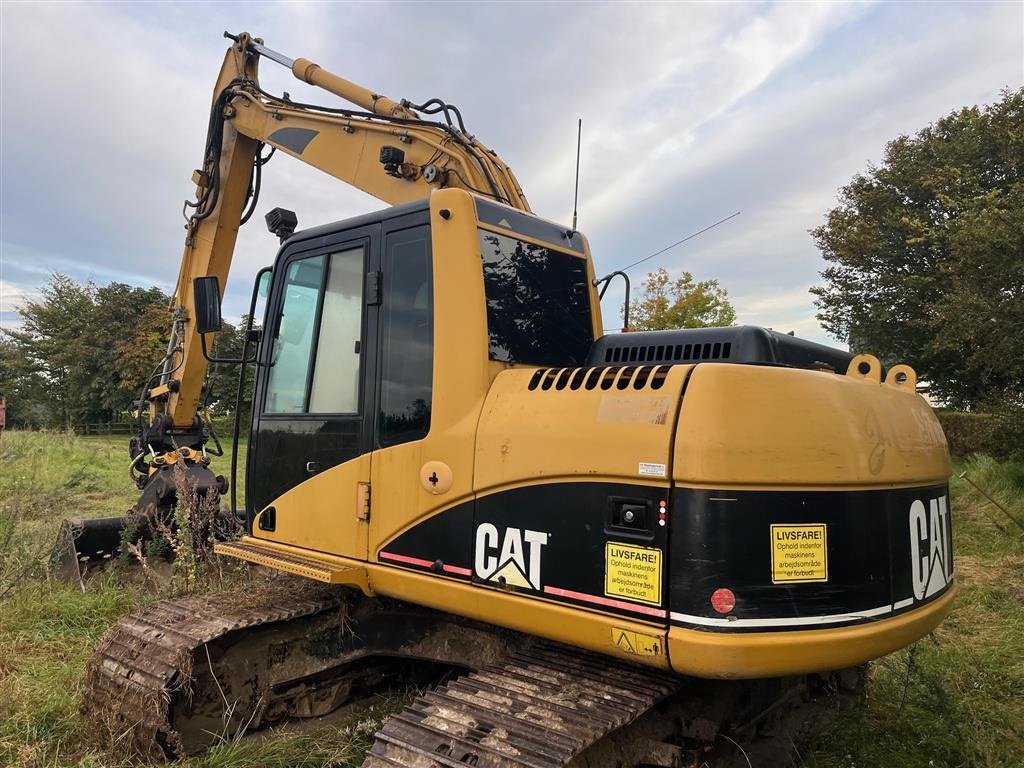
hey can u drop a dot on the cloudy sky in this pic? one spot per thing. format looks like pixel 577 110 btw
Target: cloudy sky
pixel 691 111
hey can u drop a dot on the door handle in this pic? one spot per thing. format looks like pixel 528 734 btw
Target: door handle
pixel 312 467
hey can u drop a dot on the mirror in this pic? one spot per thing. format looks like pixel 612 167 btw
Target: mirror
pixel 264 285
pixel 206 292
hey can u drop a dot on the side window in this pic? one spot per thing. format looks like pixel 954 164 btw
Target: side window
pixel 293 346
pixel 336 372
pixel 407 337
pixel 315 360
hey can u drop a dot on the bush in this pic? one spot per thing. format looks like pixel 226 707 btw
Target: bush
pixel 968 433
pixel 1007 440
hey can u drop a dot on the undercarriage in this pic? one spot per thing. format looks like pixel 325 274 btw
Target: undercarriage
pixel 179 675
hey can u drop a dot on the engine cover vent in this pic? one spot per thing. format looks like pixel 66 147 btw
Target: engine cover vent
pixel 669 352
pixel 748 344
pixel 614 377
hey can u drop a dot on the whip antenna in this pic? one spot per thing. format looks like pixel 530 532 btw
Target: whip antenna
pixel 576 195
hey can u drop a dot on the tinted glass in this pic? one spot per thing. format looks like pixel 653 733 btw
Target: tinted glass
pixel 293 345
pixel 407 337
pixel 336 370
pixel 538 302
pixel 315 361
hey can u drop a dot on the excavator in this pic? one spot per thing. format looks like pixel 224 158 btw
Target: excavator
pixel 584 549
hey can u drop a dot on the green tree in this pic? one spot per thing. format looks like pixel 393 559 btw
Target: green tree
pixel 23 386
pixel 80 348
pixel 222 379
pixel 665 302
pixel 53 341
pixel 924 255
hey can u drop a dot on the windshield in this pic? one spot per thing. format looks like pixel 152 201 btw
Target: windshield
pixel 538 303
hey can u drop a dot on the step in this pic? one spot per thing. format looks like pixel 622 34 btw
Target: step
pixel 293 560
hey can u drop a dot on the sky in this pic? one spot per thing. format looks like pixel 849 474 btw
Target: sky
pixel 691 112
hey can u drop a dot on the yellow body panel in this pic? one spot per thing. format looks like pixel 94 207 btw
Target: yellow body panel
pixel 772 654
pixel 323 513
pixel 568 431
pixel 586 629
pixel 461 377
pixel 745 426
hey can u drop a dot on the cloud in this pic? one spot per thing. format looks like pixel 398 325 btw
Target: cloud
pixel 691 111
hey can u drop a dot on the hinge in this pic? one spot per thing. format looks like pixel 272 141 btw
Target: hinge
pixel 363 501
pixel 373 281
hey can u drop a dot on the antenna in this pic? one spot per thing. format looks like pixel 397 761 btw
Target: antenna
pixel 576 196
pixel 680 242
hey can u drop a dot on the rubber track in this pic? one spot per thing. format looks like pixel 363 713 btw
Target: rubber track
pixel 541 708
pixel 145 659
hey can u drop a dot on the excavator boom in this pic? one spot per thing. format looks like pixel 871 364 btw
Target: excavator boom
pixel 383 147
pixel 387 151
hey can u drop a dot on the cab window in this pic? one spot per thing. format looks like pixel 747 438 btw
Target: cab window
pixel 407 337
pixel 314 367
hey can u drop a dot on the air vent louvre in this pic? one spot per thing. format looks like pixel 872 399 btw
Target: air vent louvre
pixel 615 377
pixel 669 353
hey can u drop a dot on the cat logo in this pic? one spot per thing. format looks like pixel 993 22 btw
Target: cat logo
pixel 511 558
pixel 931 547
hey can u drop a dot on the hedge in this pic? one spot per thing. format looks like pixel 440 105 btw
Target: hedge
pixel 969 433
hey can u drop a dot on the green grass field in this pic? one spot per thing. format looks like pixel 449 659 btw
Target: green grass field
pixel 954 699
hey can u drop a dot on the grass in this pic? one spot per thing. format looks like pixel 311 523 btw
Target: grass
pixel 955 699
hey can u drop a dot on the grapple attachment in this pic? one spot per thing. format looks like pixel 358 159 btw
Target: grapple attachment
pixel 82 542
pixel 87 542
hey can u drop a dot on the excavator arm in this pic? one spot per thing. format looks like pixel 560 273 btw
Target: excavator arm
pixel 383 148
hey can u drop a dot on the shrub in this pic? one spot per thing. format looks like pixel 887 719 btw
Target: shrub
pixel 968 433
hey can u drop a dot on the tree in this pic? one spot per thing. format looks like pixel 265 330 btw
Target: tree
pixel 82 353
pixel 23 386
pixel 222 378
pixel 53 342
pixel 924 255
pixel 679 303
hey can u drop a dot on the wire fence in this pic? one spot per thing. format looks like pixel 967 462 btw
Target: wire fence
pixel 223 428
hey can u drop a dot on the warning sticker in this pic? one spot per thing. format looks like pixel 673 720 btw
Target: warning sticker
pixel 799 553
pixel 651 469
pixel 632 572
pixel 636 643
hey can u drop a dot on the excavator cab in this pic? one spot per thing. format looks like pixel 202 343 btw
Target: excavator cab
pixel 346 367
pixel 381 337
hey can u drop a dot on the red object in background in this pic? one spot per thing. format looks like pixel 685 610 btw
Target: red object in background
pixel 3 413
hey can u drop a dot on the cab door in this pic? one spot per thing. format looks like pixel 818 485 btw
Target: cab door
pixel 309 462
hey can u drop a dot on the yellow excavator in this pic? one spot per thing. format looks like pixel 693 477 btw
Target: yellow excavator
pixel 621 549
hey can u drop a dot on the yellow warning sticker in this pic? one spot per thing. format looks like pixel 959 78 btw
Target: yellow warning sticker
pixel 632 572
pixel 636 643
pixel 799 553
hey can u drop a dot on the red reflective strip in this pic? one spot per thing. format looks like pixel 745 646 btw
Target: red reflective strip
pixel 405 559
pixel 423 563
pixel 605 601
